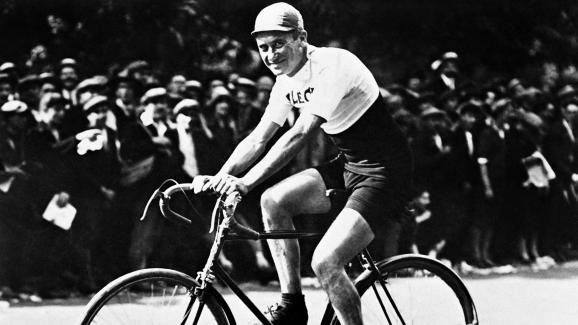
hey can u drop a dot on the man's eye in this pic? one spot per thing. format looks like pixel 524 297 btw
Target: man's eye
pixel 278 45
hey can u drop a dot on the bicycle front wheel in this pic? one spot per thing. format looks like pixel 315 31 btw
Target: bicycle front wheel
pixel 412 289
pixel 156 296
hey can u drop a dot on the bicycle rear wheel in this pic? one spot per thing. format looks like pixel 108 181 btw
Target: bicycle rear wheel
pixel 156 296
pixel 423 290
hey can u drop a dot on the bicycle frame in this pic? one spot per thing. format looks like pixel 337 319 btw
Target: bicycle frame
pixel 223 222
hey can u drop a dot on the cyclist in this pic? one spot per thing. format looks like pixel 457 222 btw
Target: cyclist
pixel 336 92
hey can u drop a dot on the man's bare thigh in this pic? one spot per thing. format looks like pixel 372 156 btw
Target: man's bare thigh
pixel 302 193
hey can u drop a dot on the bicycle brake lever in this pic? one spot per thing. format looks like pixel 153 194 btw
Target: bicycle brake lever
pixel 214 217
pixel 156 193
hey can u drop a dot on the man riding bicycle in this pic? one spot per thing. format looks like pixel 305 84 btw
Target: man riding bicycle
pixel 334 91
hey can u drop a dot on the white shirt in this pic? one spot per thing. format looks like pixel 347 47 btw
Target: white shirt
pixel 333 84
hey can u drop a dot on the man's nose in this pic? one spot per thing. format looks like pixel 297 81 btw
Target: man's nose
pixel 271 55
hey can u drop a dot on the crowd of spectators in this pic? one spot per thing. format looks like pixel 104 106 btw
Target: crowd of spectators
pixel 495 169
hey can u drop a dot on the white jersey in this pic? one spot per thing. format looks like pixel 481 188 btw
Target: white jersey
pixel 333 84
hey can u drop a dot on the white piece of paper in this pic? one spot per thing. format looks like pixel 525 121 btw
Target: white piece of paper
pixel 6 185
pixel 61 217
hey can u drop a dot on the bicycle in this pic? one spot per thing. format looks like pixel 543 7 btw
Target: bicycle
pixel 172 297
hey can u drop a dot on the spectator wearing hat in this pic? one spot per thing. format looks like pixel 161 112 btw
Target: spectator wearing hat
pixel 50 245
pixel 89 88
pixel 264 87
pixel 445 74
pixel 526 200
pixel 195 138
pixel 68 76
pixel 156 118
pixel 248 115
pixel 221 117
pixel 489 204
pixel 142 72
pixel 167 164
pixel 15 192
pixel 176 90
pixel 145 235
pixel 29 90
pixel 559 150
pixel 194 90
pixel 7 88
pixel 124 100
pixel 9 68
pixel 435 174
pixel 97 186
pixel 468 225
pixel 49 83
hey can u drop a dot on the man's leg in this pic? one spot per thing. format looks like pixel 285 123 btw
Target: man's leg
pixel 302 193
pixel 346 237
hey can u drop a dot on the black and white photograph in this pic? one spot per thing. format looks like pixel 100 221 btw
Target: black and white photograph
pixel 288 163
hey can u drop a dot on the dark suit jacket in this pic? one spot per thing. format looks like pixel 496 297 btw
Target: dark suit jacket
pixel 559 151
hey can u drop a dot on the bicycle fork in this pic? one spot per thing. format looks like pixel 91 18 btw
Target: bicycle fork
pixel 206 276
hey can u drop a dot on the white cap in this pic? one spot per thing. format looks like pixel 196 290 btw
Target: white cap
pixel 14 106
pixel 279 16
pixel 186 103
pixel 153 93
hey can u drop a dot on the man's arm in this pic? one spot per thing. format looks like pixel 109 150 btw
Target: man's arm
pixel 280 155
pixel 250 148
pixel 284 150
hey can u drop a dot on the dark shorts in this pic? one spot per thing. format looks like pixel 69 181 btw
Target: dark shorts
pixel 377 199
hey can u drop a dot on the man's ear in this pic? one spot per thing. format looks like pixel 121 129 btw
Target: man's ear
pixel 303 36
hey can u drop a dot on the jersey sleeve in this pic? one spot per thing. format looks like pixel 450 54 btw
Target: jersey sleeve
pixel 278 107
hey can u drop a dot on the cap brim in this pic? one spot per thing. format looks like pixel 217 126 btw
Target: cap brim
pixel 272 29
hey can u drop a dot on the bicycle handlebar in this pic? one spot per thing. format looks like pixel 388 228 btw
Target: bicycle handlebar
pixel 229 202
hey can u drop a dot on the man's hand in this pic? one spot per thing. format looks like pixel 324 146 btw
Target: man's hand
pixel 201 183
pixel 227 184
pixel 62 199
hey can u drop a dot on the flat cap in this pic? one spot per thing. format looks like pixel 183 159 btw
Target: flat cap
pixel 14 106
pixel 95 102
pixel 153 93
pixel 186 104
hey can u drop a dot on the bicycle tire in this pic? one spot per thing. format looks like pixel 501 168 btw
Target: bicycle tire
pixel 394 265
pixel 141 300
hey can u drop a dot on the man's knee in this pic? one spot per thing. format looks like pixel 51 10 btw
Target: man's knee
pixel 274 205
pixel 324 264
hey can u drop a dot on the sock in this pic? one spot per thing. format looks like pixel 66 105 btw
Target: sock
pixel 292 299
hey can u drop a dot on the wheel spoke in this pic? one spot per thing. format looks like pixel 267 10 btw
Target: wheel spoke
pixel 154 296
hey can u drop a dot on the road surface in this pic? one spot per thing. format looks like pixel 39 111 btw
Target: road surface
pixel 527 297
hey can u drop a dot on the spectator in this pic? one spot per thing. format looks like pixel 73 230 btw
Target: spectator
pixel 248 116
pixel 15 194
pixel 194 90
pixel 68 78
pixel 7 88
pixel 176 90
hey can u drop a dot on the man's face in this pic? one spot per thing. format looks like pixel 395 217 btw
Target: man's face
pixel 177 85
pixel 281 52
pixel 124 92
pixel 222 109
pixel 243 98
pixel 5 92
pixel 68 77
pixel 161 110
pixel 468 120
